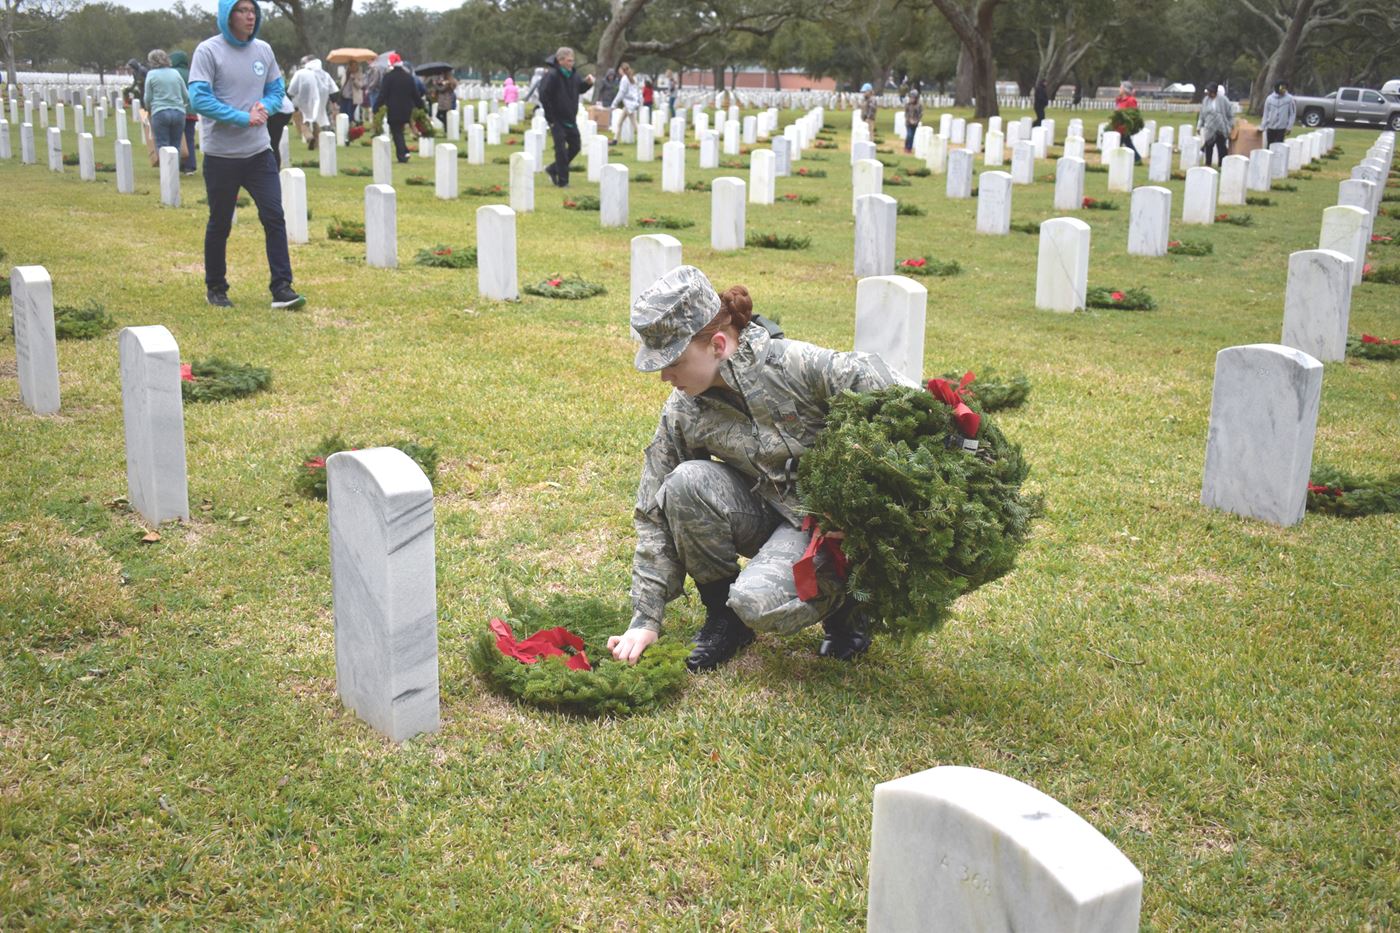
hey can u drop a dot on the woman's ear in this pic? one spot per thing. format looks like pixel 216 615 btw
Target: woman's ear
pixel 719 342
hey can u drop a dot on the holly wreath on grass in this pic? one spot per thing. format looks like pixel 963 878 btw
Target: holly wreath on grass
pixel 1368 347
pixel 310 477
pixel 1337 493
pixel 84 323
pixel 1130 299
pixel 442 256
pixel 994 392
pixel 216 379
pixel 563 663
pixel 569 288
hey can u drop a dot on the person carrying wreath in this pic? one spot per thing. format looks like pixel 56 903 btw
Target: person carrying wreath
pixel 1126 101
pixel 719 476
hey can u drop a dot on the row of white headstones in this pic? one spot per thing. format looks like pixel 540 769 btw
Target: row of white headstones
pixel 955 843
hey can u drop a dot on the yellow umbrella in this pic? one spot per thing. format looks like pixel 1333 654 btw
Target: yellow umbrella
pixel 341 56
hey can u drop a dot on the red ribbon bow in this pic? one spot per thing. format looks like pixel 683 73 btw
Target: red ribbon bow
pixel 968 421
pixel 1367 338
pixel 544 643
pixel 804 572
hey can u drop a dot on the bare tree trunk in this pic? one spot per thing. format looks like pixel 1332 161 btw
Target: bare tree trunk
pixel 612 44
pixel 974 30
pixel 1279 67
pixel 340 19
pixel 962 82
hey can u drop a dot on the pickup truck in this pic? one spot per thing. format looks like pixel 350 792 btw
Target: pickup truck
pixel 1349 105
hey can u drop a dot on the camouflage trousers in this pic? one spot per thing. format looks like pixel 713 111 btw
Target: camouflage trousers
pixel 713 517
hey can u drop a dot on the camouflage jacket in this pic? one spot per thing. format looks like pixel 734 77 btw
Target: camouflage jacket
pixel 775 404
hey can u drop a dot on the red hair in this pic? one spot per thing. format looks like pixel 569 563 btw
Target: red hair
pixel 735 312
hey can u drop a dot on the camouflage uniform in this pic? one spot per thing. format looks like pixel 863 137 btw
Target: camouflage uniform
pixel 696 515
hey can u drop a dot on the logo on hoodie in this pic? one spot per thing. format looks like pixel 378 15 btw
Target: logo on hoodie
pixel 259 69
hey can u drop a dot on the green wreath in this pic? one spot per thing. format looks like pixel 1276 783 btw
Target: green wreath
pixel 310 477
pixel 1190 248
pixel 904 208
pixel 1131 299
pixel 928 266
pixel 611 688
pixel 1383 275
pixel 350 230
pixel 666 222
pixel 993 392
pixel 1367 347
pixel 85 323
pixel 925 521
pixel 569 288
pixel 1239 220
pixel 777 241
pixel 584 202
pixel 484 191
pixel 217 379
pixel 1337 493
pixel 1127 121
pixel 447 257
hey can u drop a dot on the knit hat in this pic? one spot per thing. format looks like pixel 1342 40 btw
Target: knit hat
pixel 671 312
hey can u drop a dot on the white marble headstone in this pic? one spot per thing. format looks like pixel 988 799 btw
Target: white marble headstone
pixel 36 345
pixel 653 255
pixel 381 227
pixel 782 157
pixel 496 275
pixel 996 149
pixel 327 156
pixel 1317 303
pixel 169 176
pixel 762 181
pixel 597 157
pixel 1198 203
pixel 1069 183
pixel 1062 268
pixel 87 164
pixel 522 182
pixel 890 319
pixel 1149 221
pixel 613 196
pixel 1023 163
pixel 727 208
pixel 1260 170
pixel 1234 173
pixel 1159 162
pixel 1263 417
pixel 994 203
pixel 384 589
pixel 126 176
pixel 55 149
pixel 294 204
pixel 476 144
pixel 1344 230
pixel 875 235
pixel 1120 170
pixel 956 849
pixel 154 417
pixel 646 143
pixel 867 177
pixel 673 167
pixel 383 160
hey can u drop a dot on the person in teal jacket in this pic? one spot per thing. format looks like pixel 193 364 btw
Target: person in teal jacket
pixel 167 99
pixel 235 85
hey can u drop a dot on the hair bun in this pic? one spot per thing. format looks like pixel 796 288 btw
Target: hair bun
pixel 737 302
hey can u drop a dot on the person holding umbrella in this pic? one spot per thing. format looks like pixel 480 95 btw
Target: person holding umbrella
pixel 442 87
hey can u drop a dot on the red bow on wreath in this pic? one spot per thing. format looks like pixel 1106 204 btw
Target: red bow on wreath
pixel 544 643
pixel 804 572
pixel 968 421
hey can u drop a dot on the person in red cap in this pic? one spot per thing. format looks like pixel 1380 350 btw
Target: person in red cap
pixel 400 97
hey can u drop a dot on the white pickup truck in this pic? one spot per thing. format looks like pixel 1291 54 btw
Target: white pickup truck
pixel 1349 105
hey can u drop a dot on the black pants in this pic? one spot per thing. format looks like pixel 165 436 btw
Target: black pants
pixel 566 146
pixel 276 123
pixel 1220 144
pixel 1039 116
pixel 1126 139
pixel 1274 136
pixel 400 146
pixel 258 176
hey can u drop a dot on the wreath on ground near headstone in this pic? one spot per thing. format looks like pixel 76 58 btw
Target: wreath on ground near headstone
pixel 1126 120
pixel 307 163
pixel 500 160
pixel 1333 155
pixel 310 477
pixel 1258 200
pixel 357 171
pixel 1367 347
pixel 417 180
pixel 1239 220
pixel 904 208
pixel 897 181
pixel 570 288
pixel 813 157
pixel 824 143
pixel 352 230
pixel 573 670
pixel 804 199
pixel 922 171
pixel 1383 275
pixel 1099 169
pixel 103 167
pixel 446 257
pixel 733 163
pixel 1097 204
pixel 810 172
pixel 484 191
pixel 1382 238
pixel 1132 299
pixel 666 222
pixel 924 519
pixel 641 177
pixel 928 266
pixel 85 323
pixel 582 202
pixel 777 241
pixel 994 392
pixel 1338 493
pixel 216 379
pixel 1190 247
pixel 697 186
pixel 1313 166
pixel 1026 226
pixel 1282 186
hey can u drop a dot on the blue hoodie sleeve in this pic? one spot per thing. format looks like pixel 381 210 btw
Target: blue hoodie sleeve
pixel 206 104
pixel 273 92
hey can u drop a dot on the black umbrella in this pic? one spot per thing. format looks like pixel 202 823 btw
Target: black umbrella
pixel 432 68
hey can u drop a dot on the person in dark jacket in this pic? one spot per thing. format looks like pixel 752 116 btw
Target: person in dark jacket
pixel 188 164
pixel 1042 100
pixel 607 91
pixel 559 93
pixel 399 95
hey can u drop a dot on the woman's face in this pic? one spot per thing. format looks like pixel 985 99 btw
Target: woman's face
pixel 697 368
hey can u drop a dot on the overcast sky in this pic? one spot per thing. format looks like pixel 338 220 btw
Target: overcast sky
pixel 213 5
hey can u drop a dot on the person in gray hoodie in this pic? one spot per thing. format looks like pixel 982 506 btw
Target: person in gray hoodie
pixel 235 85
pixel 1280 111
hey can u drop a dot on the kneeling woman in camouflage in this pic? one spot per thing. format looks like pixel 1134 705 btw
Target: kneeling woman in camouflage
pixel 720 475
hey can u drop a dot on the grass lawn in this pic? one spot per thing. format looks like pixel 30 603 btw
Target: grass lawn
pixel 1216 695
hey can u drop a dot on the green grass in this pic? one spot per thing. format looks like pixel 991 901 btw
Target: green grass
pixel 1216 695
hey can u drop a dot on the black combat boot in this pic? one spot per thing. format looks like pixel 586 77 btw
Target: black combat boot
pixel 723 634
pixel 847 632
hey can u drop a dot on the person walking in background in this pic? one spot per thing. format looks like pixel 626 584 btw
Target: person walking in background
pixel 398 93
pixel 648 94
pixel 352 93
pixel 310 90
pixel 868 107
pixel 188 163
pixel 510 93
pixel 1216 120
pixel 559 94
pixel 1124 101
pixel 234 85
pixel 1041 101
pixel 445 93
pixel 628 99
pixel 1280 112
pixel 669 85
pixel 167 100
pixel 913 115
pixel 608 89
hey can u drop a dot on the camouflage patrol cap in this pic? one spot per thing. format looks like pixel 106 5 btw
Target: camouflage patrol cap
pixel 669 313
